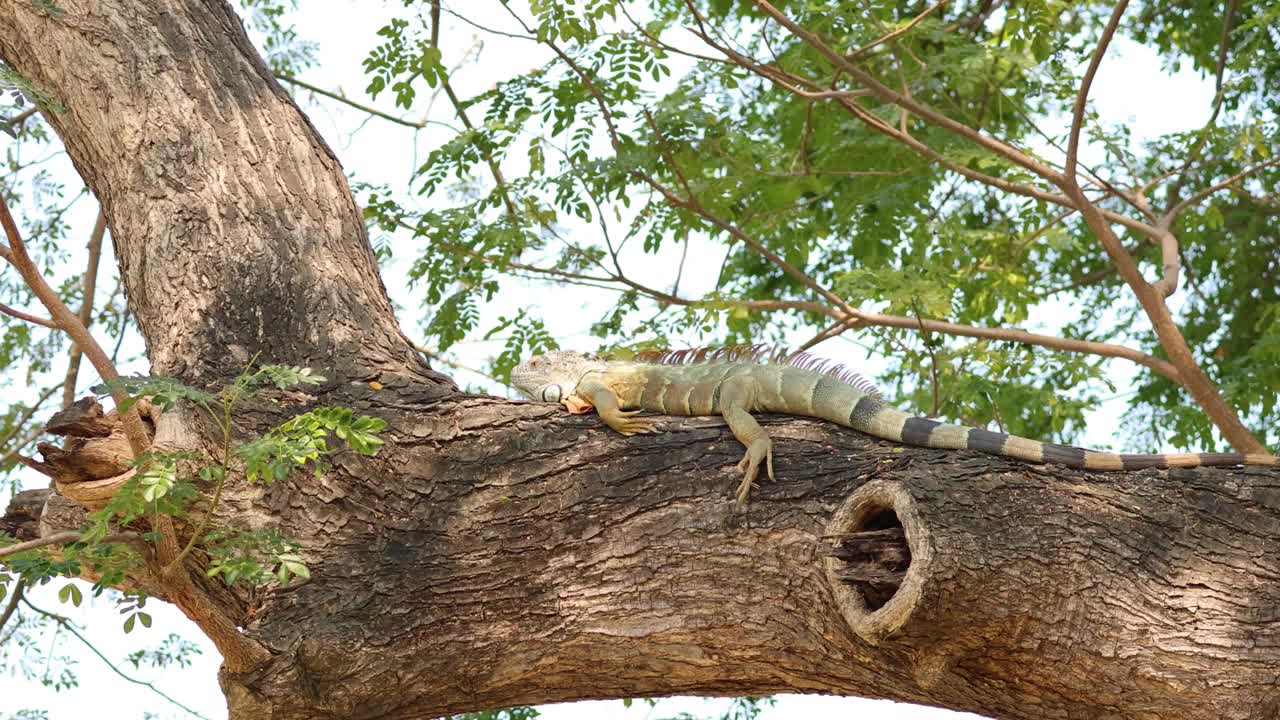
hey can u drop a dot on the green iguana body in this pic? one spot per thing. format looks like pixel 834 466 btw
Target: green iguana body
pixel 738 381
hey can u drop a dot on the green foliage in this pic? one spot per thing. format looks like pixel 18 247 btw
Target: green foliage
pixel 257 557
pixel 399 61
pixel 581 138
pixel 173 651
pixel 516 713
pixel 21 89
pixel 525 336
pixel 130 605
pixel 303 440
pixel 286 53
pixel 169 482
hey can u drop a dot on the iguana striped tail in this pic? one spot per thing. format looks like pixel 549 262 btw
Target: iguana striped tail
pixel 875 418
pixel 801 384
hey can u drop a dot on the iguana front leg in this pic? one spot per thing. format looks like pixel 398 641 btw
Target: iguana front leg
pixel 606 404
pixel 737 397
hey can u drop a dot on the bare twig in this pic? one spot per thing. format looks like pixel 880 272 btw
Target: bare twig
pixel 16 254
pixel 1193 155
pixel 460 110
pixel 793 84
pixel 27 317
pixel 862 52
pixel 444 360
pixel 11 606
pixel 1170 253
pixel 22 443
pixel 86 305
pixel 66 623
pixel 28 413
pixel 65 538
pixel 239 653
pixel 826 334
pixel 9 124
pixel 415 124
pixel 933 360
pixel 1173 212
pixel 1082 97
pixel 880 90
pixel 864 318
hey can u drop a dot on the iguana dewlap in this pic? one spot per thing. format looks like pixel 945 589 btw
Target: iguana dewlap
pixel 736 382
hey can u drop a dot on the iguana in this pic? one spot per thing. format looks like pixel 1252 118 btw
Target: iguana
pixel 734 382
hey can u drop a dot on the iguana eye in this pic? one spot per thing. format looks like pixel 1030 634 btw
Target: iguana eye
pixel 551 393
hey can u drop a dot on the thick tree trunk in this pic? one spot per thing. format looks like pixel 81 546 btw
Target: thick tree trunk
pixel 233 224
pixel 497 553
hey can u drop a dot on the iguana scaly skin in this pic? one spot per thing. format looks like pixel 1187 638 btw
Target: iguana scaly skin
pixel 735 382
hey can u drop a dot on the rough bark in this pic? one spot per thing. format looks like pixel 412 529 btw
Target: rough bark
pixel 501 553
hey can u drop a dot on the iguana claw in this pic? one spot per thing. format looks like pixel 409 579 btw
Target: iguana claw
pixel 760 449
pixel 626 422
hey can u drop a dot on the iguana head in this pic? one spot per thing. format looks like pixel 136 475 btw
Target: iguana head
pixel 553 377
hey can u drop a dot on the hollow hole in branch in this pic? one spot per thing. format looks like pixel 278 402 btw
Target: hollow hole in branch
pixel 875 554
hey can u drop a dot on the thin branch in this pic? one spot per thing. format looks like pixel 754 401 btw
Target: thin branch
pixel 22 443
pixel 933 360
pixel 415 124
pixel 27 317
pixel 239 653
pixel 862 52
pixel 1201 195
pixel 1219 95
pixel 64 538
pixel 1193 378
pixel 8 125
pixel 792 84
pixel 863 318
pixel 553 272
pixel 1014 155
pixel 1082 97
pixel 656 42
pixel 461 111
pixel 459 366
pixel 1170 253
pixel 11 606
pixel 16 254
pixel 1088 347
pixel 28 413
pixel 86 305
pixel 826 334
pixel 71 627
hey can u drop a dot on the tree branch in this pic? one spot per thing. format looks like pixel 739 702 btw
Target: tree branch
pixel 1193 155
pixel 1014 155
pixel 16 254
pixel 862 52
pixel 792 84
pixel 86 305
pixel 415 124
pixel 239 653
pixel 1082 97
pixel 27 317
pixel 11 606
pixel 66 538
pixel 1174 211
pixel 66 624
pixel 8 124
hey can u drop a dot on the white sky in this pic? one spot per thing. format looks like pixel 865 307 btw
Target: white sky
pixel 1154 105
